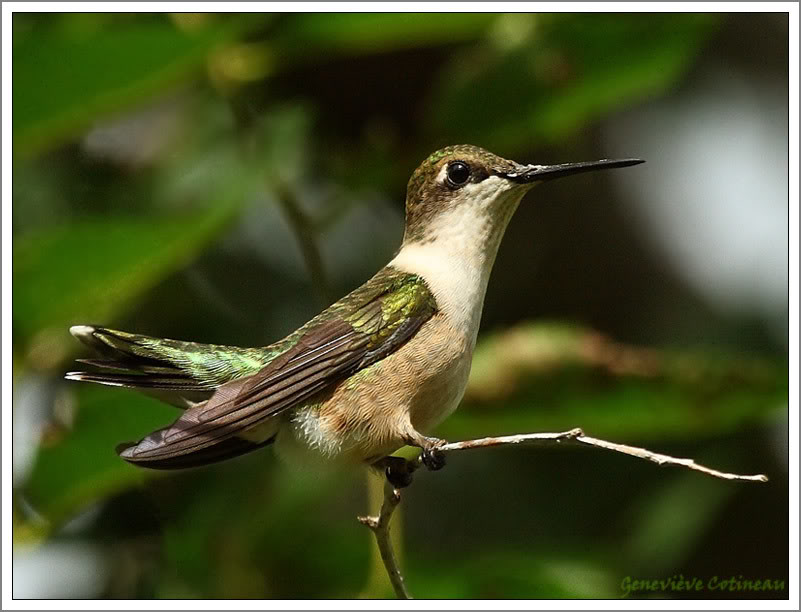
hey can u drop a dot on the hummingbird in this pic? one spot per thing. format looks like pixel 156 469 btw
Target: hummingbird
pixel 375 371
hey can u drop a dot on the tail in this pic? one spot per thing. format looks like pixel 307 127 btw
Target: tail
pixel 130 360
pixel 147 363
pixel 180 373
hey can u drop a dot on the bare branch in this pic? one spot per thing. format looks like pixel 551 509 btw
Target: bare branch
pixel 305 234
pixel 379 525
pixel 578 436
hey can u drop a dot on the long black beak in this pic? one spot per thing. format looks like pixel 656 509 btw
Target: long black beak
pixel 531 174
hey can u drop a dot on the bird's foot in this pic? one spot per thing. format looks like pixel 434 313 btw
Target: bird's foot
pixel 397 470
pixel 432 457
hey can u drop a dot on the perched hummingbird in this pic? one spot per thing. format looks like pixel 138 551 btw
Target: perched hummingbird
pixel 368 375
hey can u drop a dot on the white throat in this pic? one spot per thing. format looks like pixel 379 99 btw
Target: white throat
pixel 456 254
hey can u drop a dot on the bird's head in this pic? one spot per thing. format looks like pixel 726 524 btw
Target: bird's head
pixel 465 183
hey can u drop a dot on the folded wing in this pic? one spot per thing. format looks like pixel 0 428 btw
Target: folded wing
pixel 352 334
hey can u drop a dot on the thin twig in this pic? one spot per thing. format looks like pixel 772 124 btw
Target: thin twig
pixel 305 234
pixel 578 436
pixel 379 525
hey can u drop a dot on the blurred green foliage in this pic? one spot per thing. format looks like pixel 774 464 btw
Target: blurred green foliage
pixel 573 375
pixel 116 227
pixel 77 67
pixel 119 258
pixel 77 468
pixel 582 68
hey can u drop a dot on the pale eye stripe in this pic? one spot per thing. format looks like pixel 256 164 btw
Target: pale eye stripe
pixel 482 175
pixel 442 173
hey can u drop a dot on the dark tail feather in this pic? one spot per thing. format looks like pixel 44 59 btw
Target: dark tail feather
pixel 127 363
pixel 119 348
pixel 225 449
pixel 136 381
pixel 111 364
pixel 144 363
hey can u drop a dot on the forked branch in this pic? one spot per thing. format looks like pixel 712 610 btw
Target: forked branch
pixel 380 524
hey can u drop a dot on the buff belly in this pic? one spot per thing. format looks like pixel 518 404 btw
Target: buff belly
pixel 372 413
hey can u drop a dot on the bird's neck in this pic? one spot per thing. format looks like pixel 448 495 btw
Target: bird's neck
pixel 455 257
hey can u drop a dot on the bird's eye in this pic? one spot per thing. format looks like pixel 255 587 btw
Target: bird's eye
pixel 458 174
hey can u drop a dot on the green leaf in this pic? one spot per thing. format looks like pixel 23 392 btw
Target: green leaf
pixel 80 467
pixel 554 73
pixel 72 70
pixel 84 272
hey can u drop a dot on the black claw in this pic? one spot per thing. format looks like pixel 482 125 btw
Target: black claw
pixel 399 479
pixel 397 470
pixel 433 459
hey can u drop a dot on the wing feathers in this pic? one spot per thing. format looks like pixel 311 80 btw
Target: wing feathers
pixel 324 352
pixel 242 404
pixel 225 449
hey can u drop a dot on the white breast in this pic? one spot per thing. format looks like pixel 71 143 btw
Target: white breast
pixel 456 255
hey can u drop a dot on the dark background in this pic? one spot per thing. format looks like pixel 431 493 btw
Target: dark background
pixel 221 178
